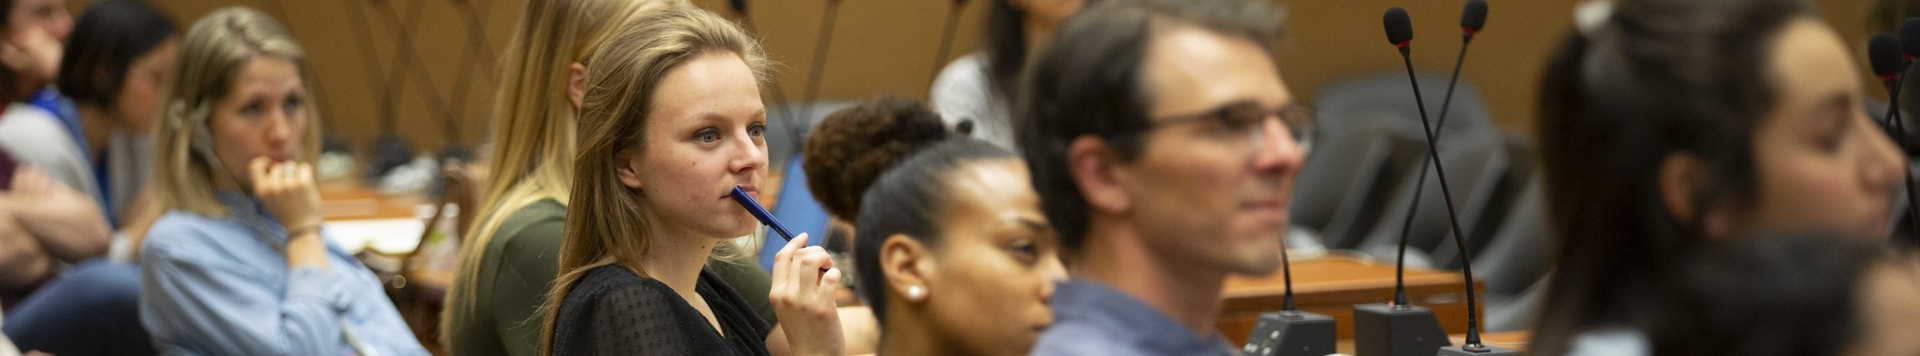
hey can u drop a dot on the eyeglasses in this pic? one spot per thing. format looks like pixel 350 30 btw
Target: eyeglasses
pixel 1243 120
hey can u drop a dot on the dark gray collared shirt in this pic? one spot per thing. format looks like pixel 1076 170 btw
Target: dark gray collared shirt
pixel 1093 319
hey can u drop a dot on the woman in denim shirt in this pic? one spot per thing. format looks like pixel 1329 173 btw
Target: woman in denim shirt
pixel 238 265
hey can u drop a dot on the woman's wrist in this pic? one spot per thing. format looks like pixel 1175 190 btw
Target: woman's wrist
pixel 304 246
pixel 303 230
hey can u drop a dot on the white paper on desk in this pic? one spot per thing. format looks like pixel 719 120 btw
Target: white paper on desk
pixel 388 236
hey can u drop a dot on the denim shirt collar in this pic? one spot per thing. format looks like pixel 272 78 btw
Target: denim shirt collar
pixel 1123 317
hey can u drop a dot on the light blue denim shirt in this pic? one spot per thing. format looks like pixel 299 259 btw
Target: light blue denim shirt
pixel 1093 319
pixel 215 286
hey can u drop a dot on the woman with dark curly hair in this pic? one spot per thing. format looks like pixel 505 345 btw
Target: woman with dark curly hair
pixel 951 252
pixel 852 146
pixel 843 156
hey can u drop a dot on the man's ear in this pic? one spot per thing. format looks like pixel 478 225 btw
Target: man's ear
pixel 1096 171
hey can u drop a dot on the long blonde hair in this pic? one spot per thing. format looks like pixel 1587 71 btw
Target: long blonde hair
pixel 211 57
pixel 533 132
pixel 606 224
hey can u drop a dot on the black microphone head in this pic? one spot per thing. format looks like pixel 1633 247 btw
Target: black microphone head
pixel 1399 27
pixel 1883 53
pixel 739 6
pixel 1474 16
pixel 1910 36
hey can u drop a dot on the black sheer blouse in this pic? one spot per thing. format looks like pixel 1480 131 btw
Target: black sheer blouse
pixel 613 311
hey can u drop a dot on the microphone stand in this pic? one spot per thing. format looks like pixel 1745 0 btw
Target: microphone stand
pixel 1291 332
pixel 946 40
pixel 1899 131
pixel 1399 328
pixel 821 43
pixel 1472 344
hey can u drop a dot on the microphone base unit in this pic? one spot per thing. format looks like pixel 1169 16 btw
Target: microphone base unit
pixel 1407 330
pixel 1291 333
pixel 1485 350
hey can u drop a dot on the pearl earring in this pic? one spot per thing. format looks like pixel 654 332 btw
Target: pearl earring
pixel 915 293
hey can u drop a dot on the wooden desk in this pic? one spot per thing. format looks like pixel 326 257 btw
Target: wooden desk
pixel 349 200
pixel 1332 286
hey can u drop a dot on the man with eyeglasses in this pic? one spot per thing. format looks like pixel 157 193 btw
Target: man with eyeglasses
pixel 1164 145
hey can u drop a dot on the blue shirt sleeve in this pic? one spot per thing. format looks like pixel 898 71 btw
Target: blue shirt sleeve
pixel 195 303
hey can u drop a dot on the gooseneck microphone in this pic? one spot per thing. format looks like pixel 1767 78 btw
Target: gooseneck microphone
pixel 946 40
pixel 1910 29
pixel 1910 43
pixel 389 149
pixel 820 45
pixel 1400 33
pixel 1400 328
pixel 746 20
pixel 1291 332
pixel 1472 19
pixel 1286 277
pixel 1884 54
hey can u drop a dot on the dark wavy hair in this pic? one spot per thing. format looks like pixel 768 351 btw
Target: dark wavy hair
pixel 106 39
pixel 1657 78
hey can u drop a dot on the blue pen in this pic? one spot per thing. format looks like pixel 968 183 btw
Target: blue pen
pixel 759 212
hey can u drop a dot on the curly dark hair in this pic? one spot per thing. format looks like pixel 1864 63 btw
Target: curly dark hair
pixel 851 147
